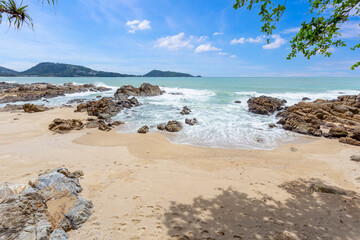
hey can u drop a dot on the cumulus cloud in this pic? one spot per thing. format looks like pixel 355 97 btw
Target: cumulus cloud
pixel 278 41
pixel 174 42
pixel 350 30
pixel 206 48
pixel 249 40
pixel 218 33
pixel 138 25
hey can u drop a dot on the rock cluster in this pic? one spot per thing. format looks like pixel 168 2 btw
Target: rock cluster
pixel 45 209
pixel 185 111
pixel 265 105
pixel 14 92
pixel 332 118
pixel 64 126
pixel 106 108
pixel 191 122
pixel 143 129
pixel 31 108
pixel 145 90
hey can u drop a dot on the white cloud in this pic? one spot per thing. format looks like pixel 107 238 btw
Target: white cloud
pixel 350 30
pixel 275 44
pixel 218 33
pixel 174 42
pixel 138 25
pixel 249 40
pixel 223 53
pixel 291 30
pixel 206 48
pixel 200 39
pixel 233 56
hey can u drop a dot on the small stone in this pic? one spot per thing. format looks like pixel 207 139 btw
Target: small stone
pixel 272 125
pixel 237 101
pixel 355 158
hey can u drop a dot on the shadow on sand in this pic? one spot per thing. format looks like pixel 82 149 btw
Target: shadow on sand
pixel 233 215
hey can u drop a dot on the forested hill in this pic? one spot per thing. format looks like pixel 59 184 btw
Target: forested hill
pixel 158 73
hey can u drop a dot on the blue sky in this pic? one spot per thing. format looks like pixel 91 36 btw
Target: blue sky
pixel 206 37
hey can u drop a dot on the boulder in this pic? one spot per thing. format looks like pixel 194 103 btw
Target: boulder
pixel 237 101
pixel 145 90
pixel 161 126
pixel 185 111
pixel 11 108
pixel 117 123
pixel 64 126
pixel 173 126
pixel 271 125
pixel 322 188
pixel 45 209
pixel 143 129
pixel 265 105
pixel 31 108
pixel 338 132
pixel 305 99
pixel 191 121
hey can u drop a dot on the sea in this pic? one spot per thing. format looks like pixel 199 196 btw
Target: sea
pixel 222 123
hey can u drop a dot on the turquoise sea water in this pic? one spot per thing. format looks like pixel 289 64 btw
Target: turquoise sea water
pixel 222 123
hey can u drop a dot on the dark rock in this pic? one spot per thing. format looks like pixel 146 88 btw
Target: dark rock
pixel 13 92
pixel 31 108
pixel 305 99
pixel 185 111
pixel 79 214
pixel 271 125
pixel 104 127
pixel 117 123
pixel 143 129
pixel 338 132
pixel 265 105
pixel 191 121
pixel 73 101
pixel 11 108
pixel 322 188
pixel 355 158
pixel 237 101
pixel 64 126
pixel 173 126
pixel 145 90
pixel 161 126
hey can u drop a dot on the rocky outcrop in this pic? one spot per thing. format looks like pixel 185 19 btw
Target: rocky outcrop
pixel 332 118
pixel 106 108
pixel 173 126
pixel 191 122
pixel 45 209
pixel 161 126
pixel 145 90
pixel 11 108
pixel 265 105
pixel 143 129
pixel 14 92
pixel 185 111
pixel 32 108
pixel 64 126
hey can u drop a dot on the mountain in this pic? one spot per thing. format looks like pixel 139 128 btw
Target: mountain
pixel 48 69
pixel 158 73
pixel 7 72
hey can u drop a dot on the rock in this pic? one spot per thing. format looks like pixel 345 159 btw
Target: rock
pixel 31 108
pixel 342 116
pixel 161 126
pixel 143 129
pixel 305 99
pixel 322 188
pixel 173 126
pixel 191 121
pixel 117 123
pixel 271 125
pixel 265 105
pixel 9 189
pixel 79 214
pixel 355 158
pixel 73 101
pixel 338 132
pixel 237 101
pixel 145 90
pixel 48 207
pixel 14 92
pixel 64 126
pixel 59 234
pixel 104 127
pixel 11 108
pixel 185 111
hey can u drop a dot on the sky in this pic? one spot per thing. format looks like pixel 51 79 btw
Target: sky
pixel 200 37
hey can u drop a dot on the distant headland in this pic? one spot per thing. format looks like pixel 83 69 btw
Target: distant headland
pixel 48 69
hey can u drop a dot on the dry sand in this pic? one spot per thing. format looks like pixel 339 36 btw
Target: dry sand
pixel 144 187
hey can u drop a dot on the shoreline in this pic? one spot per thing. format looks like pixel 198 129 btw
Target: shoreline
pixel 145 187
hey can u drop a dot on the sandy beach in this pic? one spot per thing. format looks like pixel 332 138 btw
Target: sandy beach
pixel 144 187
